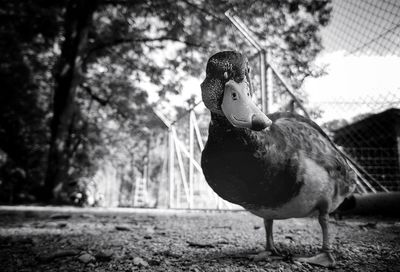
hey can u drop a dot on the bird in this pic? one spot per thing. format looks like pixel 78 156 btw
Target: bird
pixel 276 166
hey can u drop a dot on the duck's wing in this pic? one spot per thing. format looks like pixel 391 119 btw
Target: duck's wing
pixel 299 118
pixel 303 135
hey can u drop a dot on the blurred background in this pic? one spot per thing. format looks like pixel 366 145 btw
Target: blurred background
pixel 100 101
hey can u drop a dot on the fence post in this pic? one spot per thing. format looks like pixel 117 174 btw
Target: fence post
pixel 191 159
pixel 171 168
pixel 197 130
pixel 264 95
pixel 181 169
pixel 269 84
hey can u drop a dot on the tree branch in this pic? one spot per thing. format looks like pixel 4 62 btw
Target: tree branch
pixel 101 101
pixel 120 2
pixel 121 41
pixel 202 10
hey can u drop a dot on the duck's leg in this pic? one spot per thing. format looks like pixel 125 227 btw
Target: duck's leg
pixel 268 224
pixel 325 257
pixel 270 247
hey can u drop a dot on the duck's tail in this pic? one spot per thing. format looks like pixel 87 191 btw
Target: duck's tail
pixel 362 184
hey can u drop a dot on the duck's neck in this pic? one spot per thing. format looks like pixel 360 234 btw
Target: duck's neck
pixel 221 123
pixel 221 129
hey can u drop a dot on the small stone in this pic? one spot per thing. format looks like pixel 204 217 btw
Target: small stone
pixel 297 263
pixel 262 256
pixel 55 225
pixel 168 253
pixel 154 262
pixel 62 225
pixel 195 268
pixel 140 262
pixel 122 228
pixel 150 229
pixel 86 258
pixel 289 237
pixel 104 256
pixel 87 216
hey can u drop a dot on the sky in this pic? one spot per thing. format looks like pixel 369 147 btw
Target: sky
pixel 353 76
pixel 362 54
pixel 355 85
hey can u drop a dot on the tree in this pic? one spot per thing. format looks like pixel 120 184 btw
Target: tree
pixel 78 18
pixel 28 31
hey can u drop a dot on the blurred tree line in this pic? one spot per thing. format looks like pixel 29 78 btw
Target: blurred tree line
pixel 75 77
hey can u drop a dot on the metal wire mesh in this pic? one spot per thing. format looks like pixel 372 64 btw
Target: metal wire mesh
pixel 371 134
pixel 197 194
pixel 364 27
pixel 366 125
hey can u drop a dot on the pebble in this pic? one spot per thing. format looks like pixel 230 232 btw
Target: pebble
pixel 87 216
pixel 150 229
pixel 104 256
pixel 297 263
pixel 86 258
pixel 154 262
pixel 122 228
pixel 54 225
pixel 140 262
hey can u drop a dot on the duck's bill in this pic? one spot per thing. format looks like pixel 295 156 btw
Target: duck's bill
pixel 240 110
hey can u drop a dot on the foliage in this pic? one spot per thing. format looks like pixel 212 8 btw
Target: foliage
pixel 28 32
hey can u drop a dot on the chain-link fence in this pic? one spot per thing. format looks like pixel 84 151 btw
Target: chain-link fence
pixel 358 101
pixel 366 27
pixel 367 124
pixel 187 186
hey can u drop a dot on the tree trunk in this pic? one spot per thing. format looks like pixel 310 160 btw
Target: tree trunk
pixel 78 18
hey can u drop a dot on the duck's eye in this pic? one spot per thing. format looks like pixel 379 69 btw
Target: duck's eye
pixel 234 96
pixel 248 94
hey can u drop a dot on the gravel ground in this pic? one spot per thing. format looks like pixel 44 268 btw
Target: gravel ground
pixel 185 241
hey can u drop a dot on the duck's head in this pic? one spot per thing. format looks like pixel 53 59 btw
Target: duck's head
pixel 226 91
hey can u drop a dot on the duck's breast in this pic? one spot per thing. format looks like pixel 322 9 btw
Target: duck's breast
pixel 317 192
pixel 246 175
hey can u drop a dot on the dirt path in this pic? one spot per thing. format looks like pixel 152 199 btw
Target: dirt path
pixel 184 241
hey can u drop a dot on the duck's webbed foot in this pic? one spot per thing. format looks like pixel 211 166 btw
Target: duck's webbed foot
pixel 269 254
pixel 271 251
pixel 324 258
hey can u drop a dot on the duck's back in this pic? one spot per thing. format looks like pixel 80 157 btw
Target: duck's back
pixel 295 159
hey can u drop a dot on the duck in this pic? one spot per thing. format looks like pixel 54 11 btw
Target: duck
pixel 276 166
